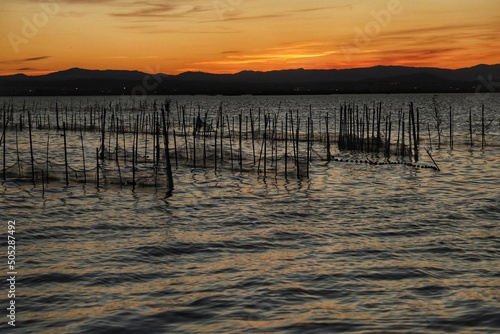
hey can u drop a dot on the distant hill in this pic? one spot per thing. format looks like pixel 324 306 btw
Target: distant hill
pixel 378 79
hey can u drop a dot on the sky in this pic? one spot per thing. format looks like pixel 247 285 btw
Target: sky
pixel 228 36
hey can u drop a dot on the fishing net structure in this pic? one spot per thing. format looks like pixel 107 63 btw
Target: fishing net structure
pixel 102 145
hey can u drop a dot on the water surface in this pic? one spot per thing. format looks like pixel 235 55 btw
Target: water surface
pixel 354 248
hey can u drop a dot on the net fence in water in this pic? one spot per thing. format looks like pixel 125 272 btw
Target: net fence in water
pixel 113 147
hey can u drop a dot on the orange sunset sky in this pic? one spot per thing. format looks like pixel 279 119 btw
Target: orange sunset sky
pixel 227 36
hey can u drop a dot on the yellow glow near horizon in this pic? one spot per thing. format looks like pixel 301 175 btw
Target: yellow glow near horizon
pixel 228 36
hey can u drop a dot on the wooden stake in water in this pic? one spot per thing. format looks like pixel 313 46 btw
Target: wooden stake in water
pixel 241 149
pixel 265 144
pixel 146 140
pixel 429 153
pixel 483 139
pixel 389 140
pixel 221 117
pixel 175 149
pixel 57 117
pixel 136 140
pixel 97 167
pixel 185 132
pixel 103 131
pixel 286 146
pixel 414 127
pixel 230 143
pixel 31 149
pixel 429 134
pixel 194 142
pixel 215 145
pixel 297 145
pixel 403 149
pixel 133 165
pixel 47 158
pixel 252 129
pixel 170 180
pixel 65 154
pixel 470 126
pixel 205 141
pixel 308 149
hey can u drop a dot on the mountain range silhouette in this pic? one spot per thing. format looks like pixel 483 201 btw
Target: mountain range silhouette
pixel 378 79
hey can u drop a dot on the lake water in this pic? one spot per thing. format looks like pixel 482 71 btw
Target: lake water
pixel 353 248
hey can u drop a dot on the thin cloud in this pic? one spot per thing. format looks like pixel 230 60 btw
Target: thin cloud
pixel 478 30
pixel 150 10
pixel 250 18
pixel 314 9
pixel 19 61
pixel 36 58
pixel 284 53
pixel 125 57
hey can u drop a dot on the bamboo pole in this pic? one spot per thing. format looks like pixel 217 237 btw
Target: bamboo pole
pixel 429 133
pixel 65 154
pixel 136 139
pixel 240 143
pixel 297 162
pixel 103 131
pixel 230 143
pixel 483 138
pixel 429 153
pixel 266 122
pixel 403 149
pixel 31 149
pixel 252 123
pixel 415 142
pixel 47 157
pixel 97 167
pixel 221 117
pixel 133 164
pixel 418 126
pixel 328 147
pixel 470 126
pixel 184 132
pixel 170 180
pixel 175 150
pixel 215 144
pixel 205 140
pixel 307 147
pixel 194 142
pixel 286 146
pixel 57 117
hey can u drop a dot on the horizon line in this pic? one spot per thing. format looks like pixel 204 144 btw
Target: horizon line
pixel 249 70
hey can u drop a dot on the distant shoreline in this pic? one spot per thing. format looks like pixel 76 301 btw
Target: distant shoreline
pixel 373 80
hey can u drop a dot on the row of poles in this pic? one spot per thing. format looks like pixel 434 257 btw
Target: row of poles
pixel 89 118
pixel 366 131
pixel 256 141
